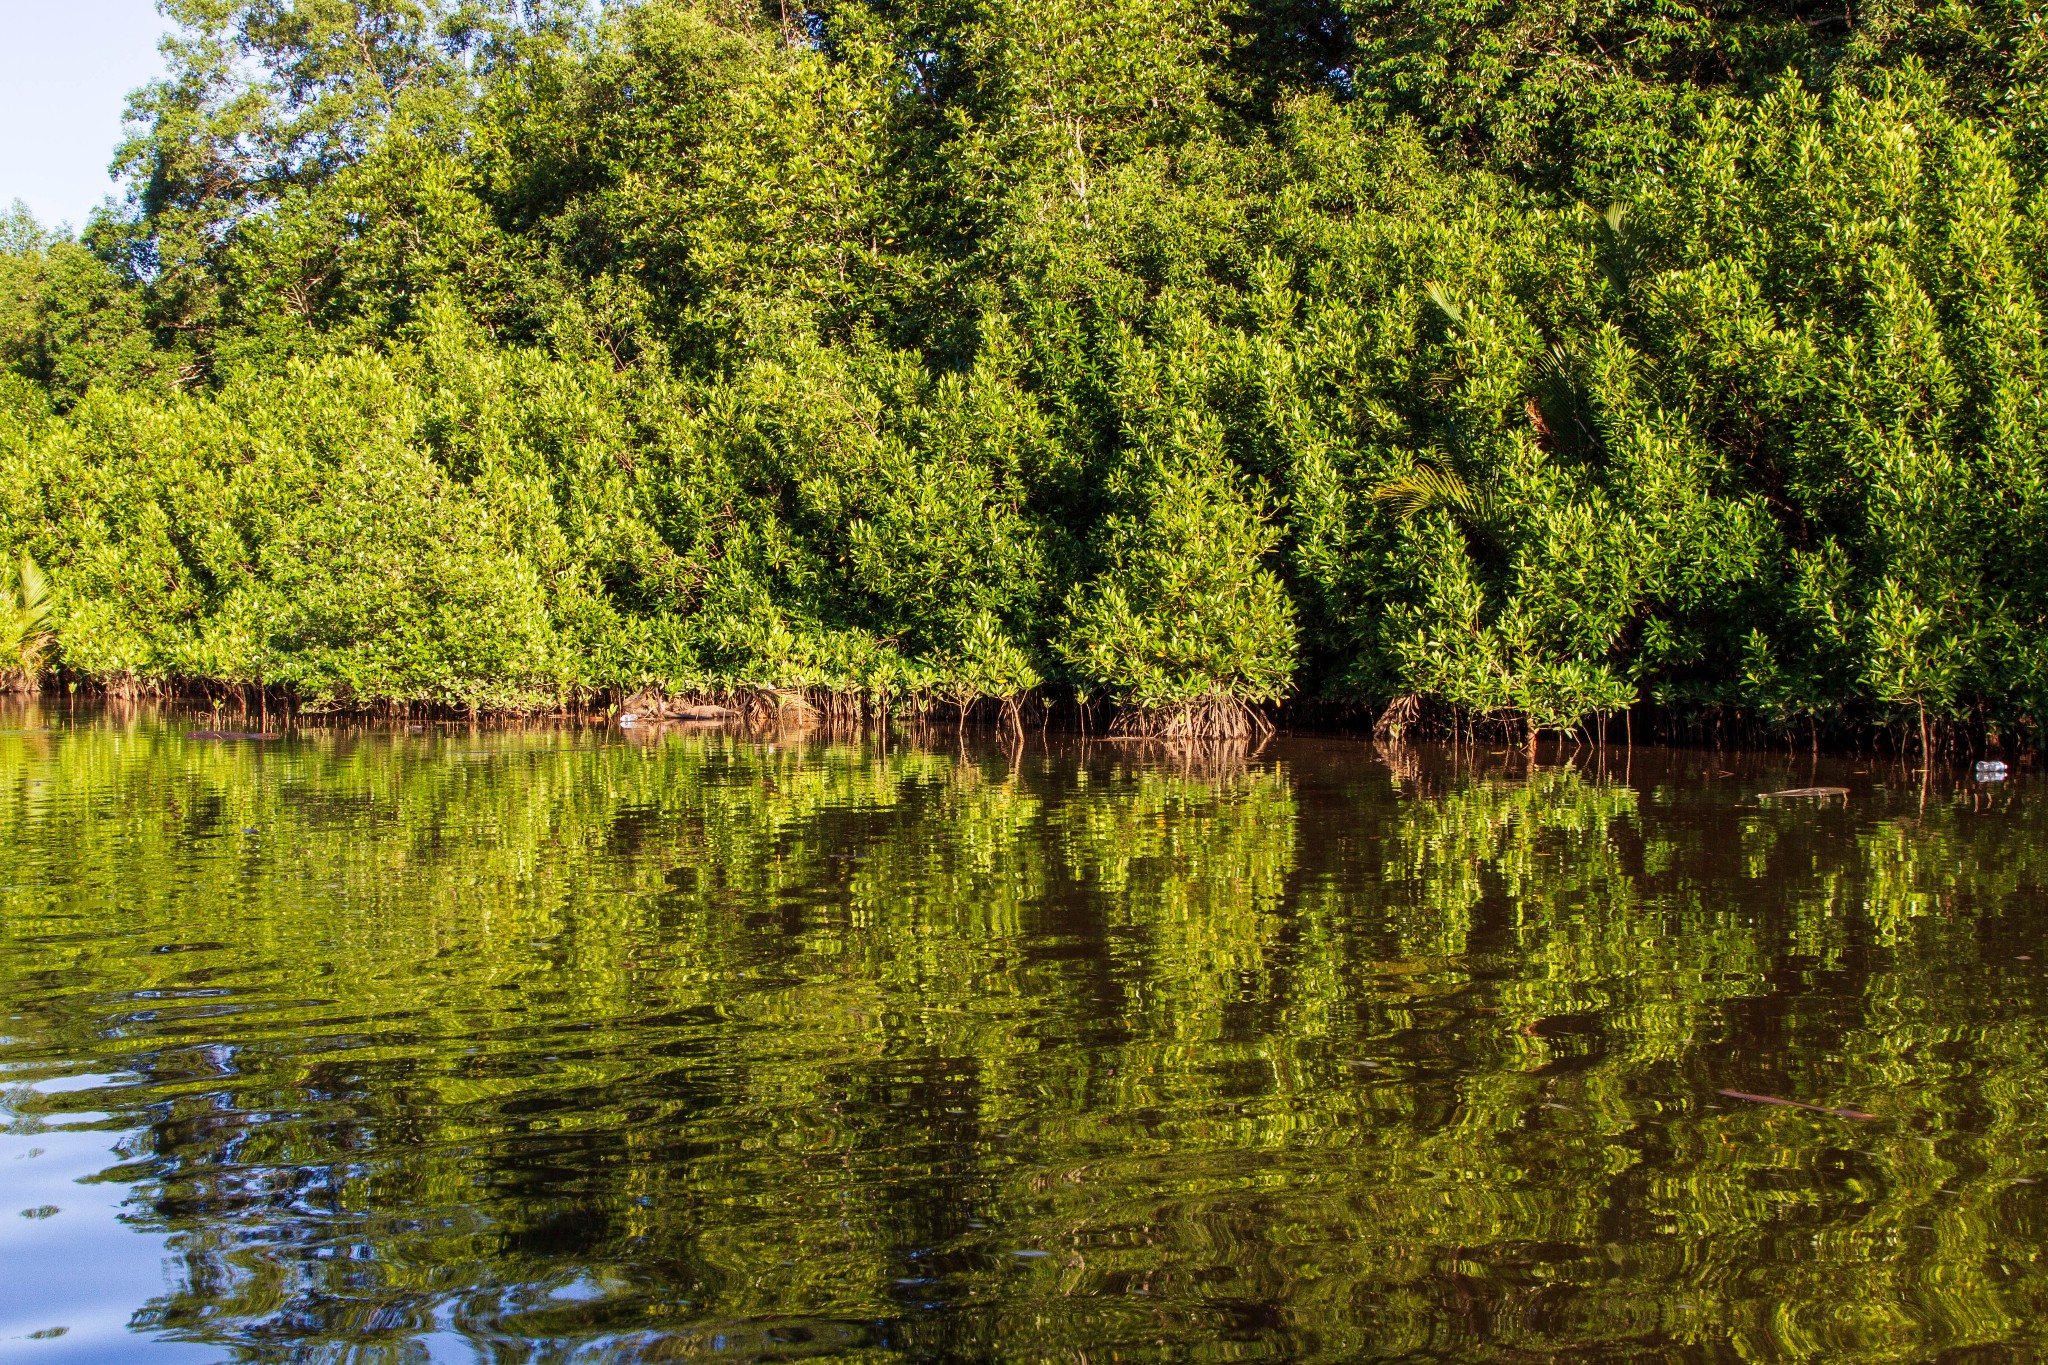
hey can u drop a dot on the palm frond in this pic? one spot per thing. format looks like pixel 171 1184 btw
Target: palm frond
pixel 25 635
pixel 1554 363
pixel 1451 308
pixel 1430 487
pixel 32 590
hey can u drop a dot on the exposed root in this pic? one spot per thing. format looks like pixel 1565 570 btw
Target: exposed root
pixel 1216 716
pixel 1401 714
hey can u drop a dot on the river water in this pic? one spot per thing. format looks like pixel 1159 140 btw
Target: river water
pixel 575 1045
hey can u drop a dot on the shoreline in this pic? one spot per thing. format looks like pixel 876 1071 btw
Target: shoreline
pixel 1044 711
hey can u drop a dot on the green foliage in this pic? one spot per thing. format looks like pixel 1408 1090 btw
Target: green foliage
pixel 1184 610
pixel 66 319
pixel 1540 359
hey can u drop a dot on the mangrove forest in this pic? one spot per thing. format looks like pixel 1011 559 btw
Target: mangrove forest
pixel 1517 364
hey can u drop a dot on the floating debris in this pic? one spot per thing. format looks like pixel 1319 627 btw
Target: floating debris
pixel 1841 1113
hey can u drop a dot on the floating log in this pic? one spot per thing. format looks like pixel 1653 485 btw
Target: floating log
pixel 682 712
pixel 649 706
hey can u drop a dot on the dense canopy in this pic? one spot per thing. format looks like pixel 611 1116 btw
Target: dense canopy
pixel 1533 358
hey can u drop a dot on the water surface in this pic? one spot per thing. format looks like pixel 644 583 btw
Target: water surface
pixel 554 1045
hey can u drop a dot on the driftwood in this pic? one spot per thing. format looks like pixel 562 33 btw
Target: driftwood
pixel 701 713
pixel 1842 1113
pixel 648 705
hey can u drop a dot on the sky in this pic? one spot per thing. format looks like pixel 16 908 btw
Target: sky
pixel 66 68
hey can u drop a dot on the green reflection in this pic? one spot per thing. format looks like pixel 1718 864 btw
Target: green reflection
pixel 575 1047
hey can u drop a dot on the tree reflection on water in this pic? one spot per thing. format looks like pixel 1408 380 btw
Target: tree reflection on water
pixel 545 1046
